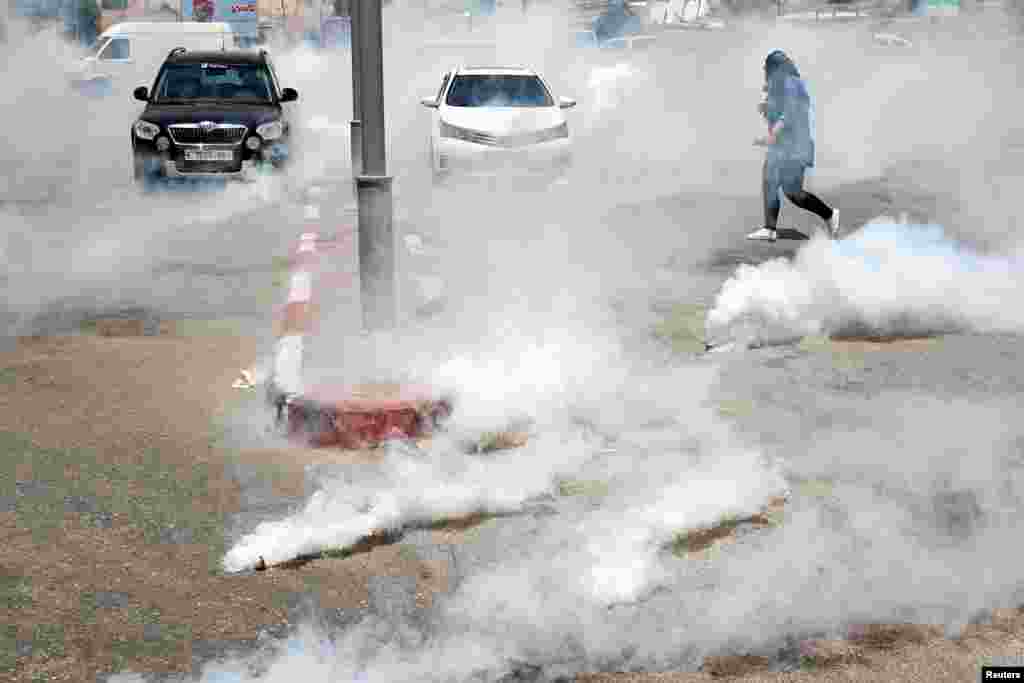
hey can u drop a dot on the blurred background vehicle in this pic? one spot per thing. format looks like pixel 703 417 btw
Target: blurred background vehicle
pixel 487 120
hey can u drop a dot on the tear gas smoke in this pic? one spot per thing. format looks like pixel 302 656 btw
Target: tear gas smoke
pixel 593 558
pixel 523 378
pixel 888 279
pixel 441 484
pixel 592 587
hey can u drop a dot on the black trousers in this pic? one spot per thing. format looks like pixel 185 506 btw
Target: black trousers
pixel 787 175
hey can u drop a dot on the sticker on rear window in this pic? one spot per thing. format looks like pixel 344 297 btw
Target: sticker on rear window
pixel 213 66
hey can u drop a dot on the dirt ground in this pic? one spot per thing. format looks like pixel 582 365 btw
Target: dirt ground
pixel 112 534
pixel 877 654
pixel 114 494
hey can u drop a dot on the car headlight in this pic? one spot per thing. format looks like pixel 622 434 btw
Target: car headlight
pixel 146 130
pixel 450 131
pixel 270 131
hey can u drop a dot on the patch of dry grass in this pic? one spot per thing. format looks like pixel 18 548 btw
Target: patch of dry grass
pixel 692 541
pixel 591 488
pixel 733 666
pixel 683 328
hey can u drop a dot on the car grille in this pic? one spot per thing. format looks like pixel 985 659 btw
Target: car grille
pixel 508 141
pixel 523 139
pixel 520 140
pixel 192 134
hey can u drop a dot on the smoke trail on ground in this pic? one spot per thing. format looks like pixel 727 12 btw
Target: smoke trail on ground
pixel 666 465
pixel 888 279
pixel 438 484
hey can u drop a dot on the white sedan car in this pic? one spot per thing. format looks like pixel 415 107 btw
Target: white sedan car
pixel 492 119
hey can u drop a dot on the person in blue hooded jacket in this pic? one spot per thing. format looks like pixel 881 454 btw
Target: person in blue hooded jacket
pixel 789 112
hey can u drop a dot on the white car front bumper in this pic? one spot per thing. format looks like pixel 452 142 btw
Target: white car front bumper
pixel 453 155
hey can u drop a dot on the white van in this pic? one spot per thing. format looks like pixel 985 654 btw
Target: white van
pixel 129 54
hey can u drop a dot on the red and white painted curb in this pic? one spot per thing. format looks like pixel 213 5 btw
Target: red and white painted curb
pixel 298 317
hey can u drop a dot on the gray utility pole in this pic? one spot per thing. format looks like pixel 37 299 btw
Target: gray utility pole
pixel 355 126
pixel 373 185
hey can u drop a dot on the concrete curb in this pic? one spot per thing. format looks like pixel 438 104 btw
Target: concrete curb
pixel 296 319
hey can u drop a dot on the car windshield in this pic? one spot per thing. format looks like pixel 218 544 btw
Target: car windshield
pixel 498 91
pixel 233 82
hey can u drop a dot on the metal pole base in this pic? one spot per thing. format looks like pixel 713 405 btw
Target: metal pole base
pixel 356 135
pixel 376 253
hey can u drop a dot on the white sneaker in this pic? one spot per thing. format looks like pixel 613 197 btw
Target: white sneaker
pixel 833 224
pixel 764 235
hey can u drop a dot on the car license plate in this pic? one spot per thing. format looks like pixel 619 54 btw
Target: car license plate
pixel 209 155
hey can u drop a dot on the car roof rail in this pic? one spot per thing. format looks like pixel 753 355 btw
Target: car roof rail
pixel 176 51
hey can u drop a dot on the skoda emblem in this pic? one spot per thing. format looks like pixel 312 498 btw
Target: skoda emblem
pixel 207 126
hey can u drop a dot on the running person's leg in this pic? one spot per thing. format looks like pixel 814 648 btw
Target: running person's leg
pixel 770 186
pixel 792 181
pixel 771 183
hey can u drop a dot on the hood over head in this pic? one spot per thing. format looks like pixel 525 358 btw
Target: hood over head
pixel 778 63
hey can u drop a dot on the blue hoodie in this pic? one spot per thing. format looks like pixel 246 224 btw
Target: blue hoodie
pixel 789 101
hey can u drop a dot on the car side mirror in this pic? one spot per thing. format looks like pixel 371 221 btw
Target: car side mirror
pixel 289 95
pixel 141 93
pixel 429 102
pixel 566 103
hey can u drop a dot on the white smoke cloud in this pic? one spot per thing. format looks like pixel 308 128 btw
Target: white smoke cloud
pixel 624 545
pixel 658 483
pixel 442 483
pixel 888 279
pixel 528 377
